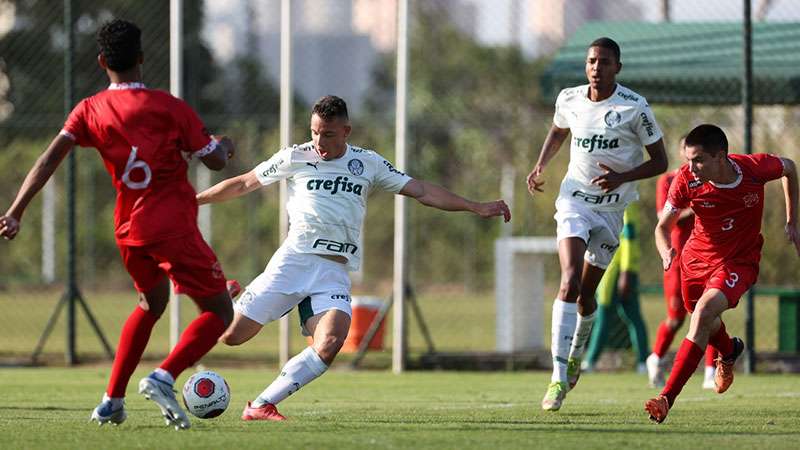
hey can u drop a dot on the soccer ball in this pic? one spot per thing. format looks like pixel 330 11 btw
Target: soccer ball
pixel 206 394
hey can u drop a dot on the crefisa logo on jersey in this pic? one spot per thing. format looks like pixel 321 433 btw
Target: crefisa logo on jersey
pixel 355 166
pixel 750 199
pixel 612 118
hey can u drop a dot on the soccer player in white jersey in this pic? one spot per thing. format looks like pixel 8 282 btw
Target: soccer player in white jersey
pixel 609 124
pixel 328 183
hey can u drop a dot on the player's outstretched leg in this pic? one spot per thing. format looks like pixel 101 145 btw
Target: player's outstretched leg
pixel 159 390
pixel 724 376
pixel 109 411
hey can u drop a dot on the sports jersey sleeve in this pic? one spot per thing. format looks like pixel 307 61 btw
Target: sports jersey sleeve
pixel 678 196
pixel 559 117
pixel 76 127
pixel 274 169
pixel 387 177
pixel 196 138
pixel 646 126
pixel 629 250
pixel 767 167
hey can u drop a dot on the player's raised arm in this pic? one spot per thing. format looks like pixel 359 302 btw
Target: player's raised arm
pixel 224 150
pixel 37 177
pixel 430 194
pixel 790 193
pixel 230 188
pixel 552 143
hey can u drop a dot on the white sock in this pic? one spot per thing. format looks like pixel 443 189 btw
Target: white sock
pixel 163 375
pixel 298 372
pixel 582 332
pixel 562 330
pixel 710 371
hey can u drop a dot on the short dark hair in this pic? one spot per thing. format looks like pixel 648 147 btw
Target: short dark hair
pixel 710 137
pixel 607 43
pixel 120 43
pixel 330 107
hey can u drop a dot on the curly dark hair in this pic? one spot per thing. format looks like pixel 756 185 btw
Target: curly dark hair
pixel 330 107
pixel 120 42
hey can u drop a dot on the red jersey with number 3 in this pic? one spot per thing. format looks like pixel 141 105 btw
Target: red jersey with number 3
pixel 727 217
pixel 145 138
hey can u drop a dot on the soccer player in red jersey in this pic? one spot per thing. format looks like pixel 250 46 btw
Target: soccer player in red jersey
pixel 720 260
pixel 676 313
pixel 146 138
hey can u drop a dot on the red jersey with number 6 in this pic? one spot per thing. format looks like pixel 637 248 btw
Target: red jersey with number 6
pixel 145 138
pixel 727 217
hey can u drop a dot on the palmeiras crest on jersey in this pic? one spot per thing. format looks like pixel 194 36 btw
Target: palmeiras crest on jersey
pixel 612 118
pixel 750 199
pixel 355 166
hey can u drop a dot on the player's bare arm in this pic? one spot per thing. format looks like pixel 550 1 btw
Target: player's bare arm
pixel 37 177
pixel 230 188
pixel 667 219
pixel 790 193
pixel 430 194
pixel 552 143
pixel 224 151
pixel 657 164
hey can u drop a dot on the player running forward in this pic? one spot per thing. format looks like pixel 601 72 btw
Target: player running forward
pixel 328 182
pixel 672 289
pixel 145 138
pixel 609 124
pixel 720 259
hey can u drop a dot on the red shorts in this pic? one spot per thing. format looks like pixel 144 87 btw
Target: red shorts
pixel 672 291
pixel 733 278
pixel 188 261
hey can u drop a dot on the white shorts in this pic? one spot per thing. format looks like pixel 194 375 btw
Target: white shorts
pixel 599 229
pixel 309 281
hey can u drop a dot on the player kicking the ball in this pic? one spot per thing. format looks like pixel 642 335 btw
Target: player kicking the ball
pixel 145 138
pixel 609 124
pixel 720 260
pixel 328 183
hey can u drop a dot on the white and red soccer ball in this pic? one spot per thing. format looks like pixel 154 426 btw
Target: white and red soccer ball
pixel 206 394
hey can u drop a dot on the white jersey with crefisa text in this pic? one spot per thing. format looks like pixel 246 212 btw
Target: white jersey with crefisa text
pixel 612 132
pixel 328 199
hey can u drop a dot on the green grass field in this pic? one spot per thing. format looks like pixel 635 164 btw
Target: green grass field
pixel 49 408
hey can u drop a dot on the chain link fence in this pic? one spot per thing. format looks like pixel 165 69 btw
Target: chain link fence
pixel 481 97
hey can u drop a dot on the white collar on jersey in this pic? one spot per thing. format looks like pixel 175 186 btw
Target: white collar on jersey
pixel 735 182
pixel 121 86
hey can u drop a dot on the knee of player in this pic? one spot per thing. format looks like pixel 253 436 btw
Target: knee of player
pixel 569 288
pixel 704 315
pixel 230 339
pixel 328 345
pixel 674 323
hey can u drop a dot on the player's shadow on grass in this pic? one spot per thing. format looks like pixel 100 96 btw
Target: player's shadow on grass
pixel 40 408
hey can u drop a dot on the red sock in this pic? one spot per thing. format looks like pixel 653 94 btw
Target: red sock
pixel 686 361
pixel 711 355
pixel 721 341
pixel 132 342
pixel 664 337
pixel 199 337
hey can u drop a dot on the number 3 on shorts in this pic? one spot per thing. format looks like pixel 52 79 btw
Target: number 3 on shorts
pixel 134 164
pixel 733 277
pixel 728 224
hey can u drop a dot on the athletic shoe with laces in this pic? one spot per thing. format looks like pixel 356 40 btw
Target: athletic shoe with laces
pixel 264 412
pixel 556 392
pixel 655 373
pixel 723 378
pixel 657 408
pixel 105 413
pixel 234 288
pixel 162 393
pixel 573 372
